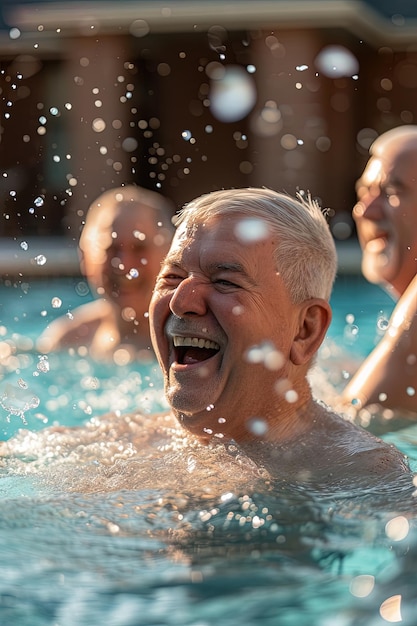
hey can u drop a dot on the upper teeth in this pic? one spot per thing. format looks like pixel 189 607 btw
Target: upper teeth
pixel 195 342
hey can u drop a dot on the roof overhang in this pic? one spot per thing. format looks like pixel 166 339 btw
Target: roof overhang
pixel 82 18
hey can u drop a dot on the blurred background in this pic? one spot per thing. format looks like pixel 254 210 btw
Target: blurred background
pixel 185 97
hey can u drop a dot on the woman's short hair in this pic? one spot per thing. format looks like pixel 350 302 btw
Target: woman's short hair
pixel 305 255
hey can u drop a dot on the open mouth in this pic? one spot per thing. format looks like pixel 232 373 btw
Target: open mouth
pixel 191 350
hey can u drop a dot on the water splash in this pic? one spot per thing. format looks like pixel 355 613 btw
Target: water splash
pixel 17 400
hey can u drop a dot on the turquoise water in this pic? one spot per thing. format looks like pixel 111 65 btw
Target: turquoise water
pixel 93 533
pixel 71 389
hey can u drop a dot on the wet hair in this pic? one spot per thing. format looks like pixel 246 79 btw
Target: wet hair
pixel 96 233
pixel 305 255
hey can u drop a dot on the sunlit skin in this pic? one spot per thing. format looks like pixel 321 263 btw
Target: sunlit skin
pixel 126 272
pixel 386 219
pixel 215 288
pixel 121 254
pixel 386 215
pixel 235 349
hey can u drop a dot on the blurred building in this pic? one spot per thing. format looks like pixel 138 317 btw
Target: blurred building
pixel 189 96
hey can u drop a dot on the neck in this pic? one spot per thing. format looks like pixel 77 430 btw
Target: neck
pixel 280 423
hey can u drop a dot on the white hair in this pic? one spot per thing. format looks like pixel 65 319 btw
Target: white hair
pixel 305 254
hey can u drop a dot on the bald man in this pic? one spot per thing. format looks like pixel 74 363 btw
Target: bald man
pixel 386 220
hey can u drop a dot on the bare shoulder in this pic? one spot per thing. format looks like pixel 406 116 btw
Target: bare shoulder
pixel 359 450
pixel 79 327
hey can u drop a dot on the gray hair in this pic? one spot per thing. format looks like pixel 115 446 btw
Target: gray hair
pixel 305 255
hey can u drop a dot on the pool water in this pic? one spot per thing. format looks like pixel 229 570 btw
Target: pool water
pixel 70 389
pixel 93 533
pixel 60 388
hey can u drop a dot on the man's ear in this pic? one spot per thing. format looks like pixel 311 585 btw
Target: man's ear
pixel 314 319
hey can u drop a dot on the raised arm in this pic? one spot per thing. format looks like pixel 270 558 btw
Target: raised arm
pixel 388 376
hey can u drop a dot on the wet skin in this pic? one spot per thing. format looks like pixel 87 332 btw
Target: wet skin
pixel 132 260
pixel 386 217
pixel 228 297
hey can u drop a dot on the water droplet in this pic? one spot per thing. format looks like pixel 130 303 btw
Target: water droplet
pixel 22 384
pixel 232 93
pixel 291 396
pixel 98 125
pixel 129 144
pixel 40 259
pixel 17 400
pixel 139 28
pixel 382 323
pixel 14 33
pixel 337 61
pixel 133 273
pixel 43 364
pixel 258 426
pixel 251 229
pixel 24 245
pixel 411 391
pixel 56 302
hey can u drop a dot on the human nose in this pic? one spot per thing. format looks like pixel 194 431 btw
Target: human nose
pixel 188 298
pixel 369 206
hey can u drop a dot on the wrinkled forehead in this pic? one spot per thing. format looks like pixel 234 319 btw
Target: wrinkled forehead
pixel 245 229
pixel 393 166
pixel 373 174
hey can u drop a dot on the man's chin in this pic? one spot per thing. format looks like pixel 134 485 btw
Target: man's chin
pixel 378 268
pixel 191 414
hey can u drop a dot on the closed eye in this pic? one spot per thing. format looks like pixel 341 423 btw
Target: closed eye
pixel 170 279
pixel 223 282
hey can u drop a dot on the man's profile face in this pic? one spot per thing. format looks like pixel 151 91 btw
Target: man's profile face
pixel 222 325
pixel 386 216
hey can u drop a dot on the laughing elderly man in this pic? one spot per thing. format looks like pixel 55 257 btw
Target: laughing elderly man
pixel 239 311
